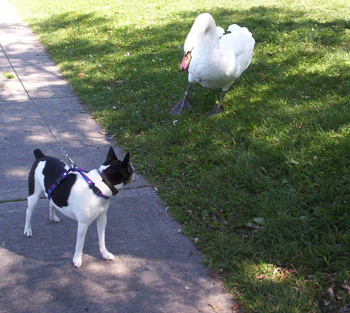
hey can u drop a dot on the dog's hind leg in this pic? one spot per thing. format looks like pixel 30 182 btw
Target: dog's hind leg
pixel 82 229
pixel 53 217
pixel 32 202
pixel 101 227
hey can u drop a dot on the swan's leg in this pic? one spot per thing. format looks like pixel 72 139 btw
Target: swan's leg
pixel 218 108
pixel 183 104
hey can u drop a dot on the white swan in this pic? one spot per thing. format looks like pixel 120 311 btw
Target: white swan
pixel 214 60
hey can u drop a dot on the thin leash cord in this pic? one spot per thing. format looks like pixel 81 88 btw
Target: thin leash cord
pixel 37 109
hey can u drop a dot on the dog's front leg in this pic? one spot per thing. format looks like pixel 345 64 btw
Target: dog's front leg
pixel 101 227
pixel 82 229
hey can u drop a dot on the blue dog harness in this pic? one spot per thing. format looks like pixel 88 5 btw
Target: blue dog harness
pixel 75 168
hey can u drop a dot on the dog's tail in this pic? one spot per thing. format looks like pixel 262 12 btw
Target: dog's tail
pixel 38 154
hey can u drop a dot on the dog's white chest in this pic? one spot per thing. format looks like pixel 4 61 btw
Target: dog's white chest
pixel 83 204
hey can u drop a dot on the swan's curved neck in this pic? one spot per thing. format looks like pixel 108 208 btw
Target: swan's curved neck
pixel 204 25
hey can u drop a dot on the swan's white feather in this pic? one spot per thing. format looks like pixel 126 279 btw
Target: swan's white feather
pixel 217 63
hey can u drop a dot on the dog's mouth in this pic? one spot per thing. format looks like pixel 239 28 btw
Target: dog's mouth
pixel 135 176
pixel 132 178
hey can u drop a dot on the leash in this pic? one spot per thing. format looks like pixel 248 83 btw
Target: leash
pixel 75 168
pixel 65 154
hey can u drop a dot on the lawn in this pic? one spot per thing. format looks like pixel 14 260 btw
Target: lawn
pixel 263 189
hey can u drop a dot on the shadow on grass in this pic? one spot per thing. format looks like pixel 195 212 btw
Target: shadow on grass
pixel 280 151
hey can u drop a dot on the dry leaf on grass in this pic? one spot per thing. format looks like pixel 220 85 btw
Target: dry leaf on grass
pixel 346 286
pixel 261 276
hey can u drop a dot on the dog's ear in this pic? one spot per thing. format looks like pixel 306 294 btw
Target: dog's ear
pixel 126 160
pixel 111 156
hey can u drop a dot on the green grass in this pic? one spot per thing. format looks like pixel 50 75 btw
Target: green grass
pixel 263 188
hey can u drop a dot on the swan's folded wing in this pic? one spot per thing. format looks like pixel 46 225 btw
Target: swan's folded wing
pixel 239 42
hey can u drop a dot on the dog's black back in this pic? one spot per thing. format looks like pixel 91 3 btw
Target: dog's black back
pixel 52 170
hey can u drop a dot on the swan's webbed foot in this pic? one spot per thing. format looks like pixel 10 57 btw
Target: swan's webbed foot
pixel 218 108
pixel 212 112
pixel 184 104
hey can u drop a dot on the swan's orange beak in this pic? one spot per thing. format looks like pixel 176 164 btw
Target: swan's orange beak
pixel 186 62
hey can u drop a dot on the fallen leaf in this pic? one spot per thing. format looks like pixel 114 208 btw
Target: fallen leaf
pixel 235 308
pixel 263 169
pixel 346 286
pixel 216 308
pixel 259 220
pixel 345 309
pixel 8 75
pixel 330 292
pixel 261 276
pixel 291 161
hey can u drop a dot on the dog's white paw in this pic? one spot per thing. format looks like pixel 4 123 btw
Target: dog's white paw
pixel 108 256
pixel 28 232
pixel 77 262
pixel 54 219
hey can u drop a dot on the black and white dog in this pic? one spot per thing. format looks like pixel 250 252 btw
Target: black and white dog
pixel 80 196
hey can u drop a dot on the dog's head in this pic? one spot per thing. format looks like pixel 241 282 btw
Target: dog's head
pixel 118 173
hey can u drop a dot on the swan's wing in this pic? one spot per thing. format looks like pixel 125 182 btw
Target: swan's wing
pixel 238 48
pixel 239 42
pixel 236 28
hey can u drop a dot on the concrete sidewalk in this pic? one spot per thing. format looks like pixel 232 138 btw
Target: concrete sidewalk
pixel 156 268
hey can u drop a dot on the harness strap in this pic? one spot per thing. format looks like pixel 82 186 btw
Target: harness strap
pixel 74 168
pixel 91 184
